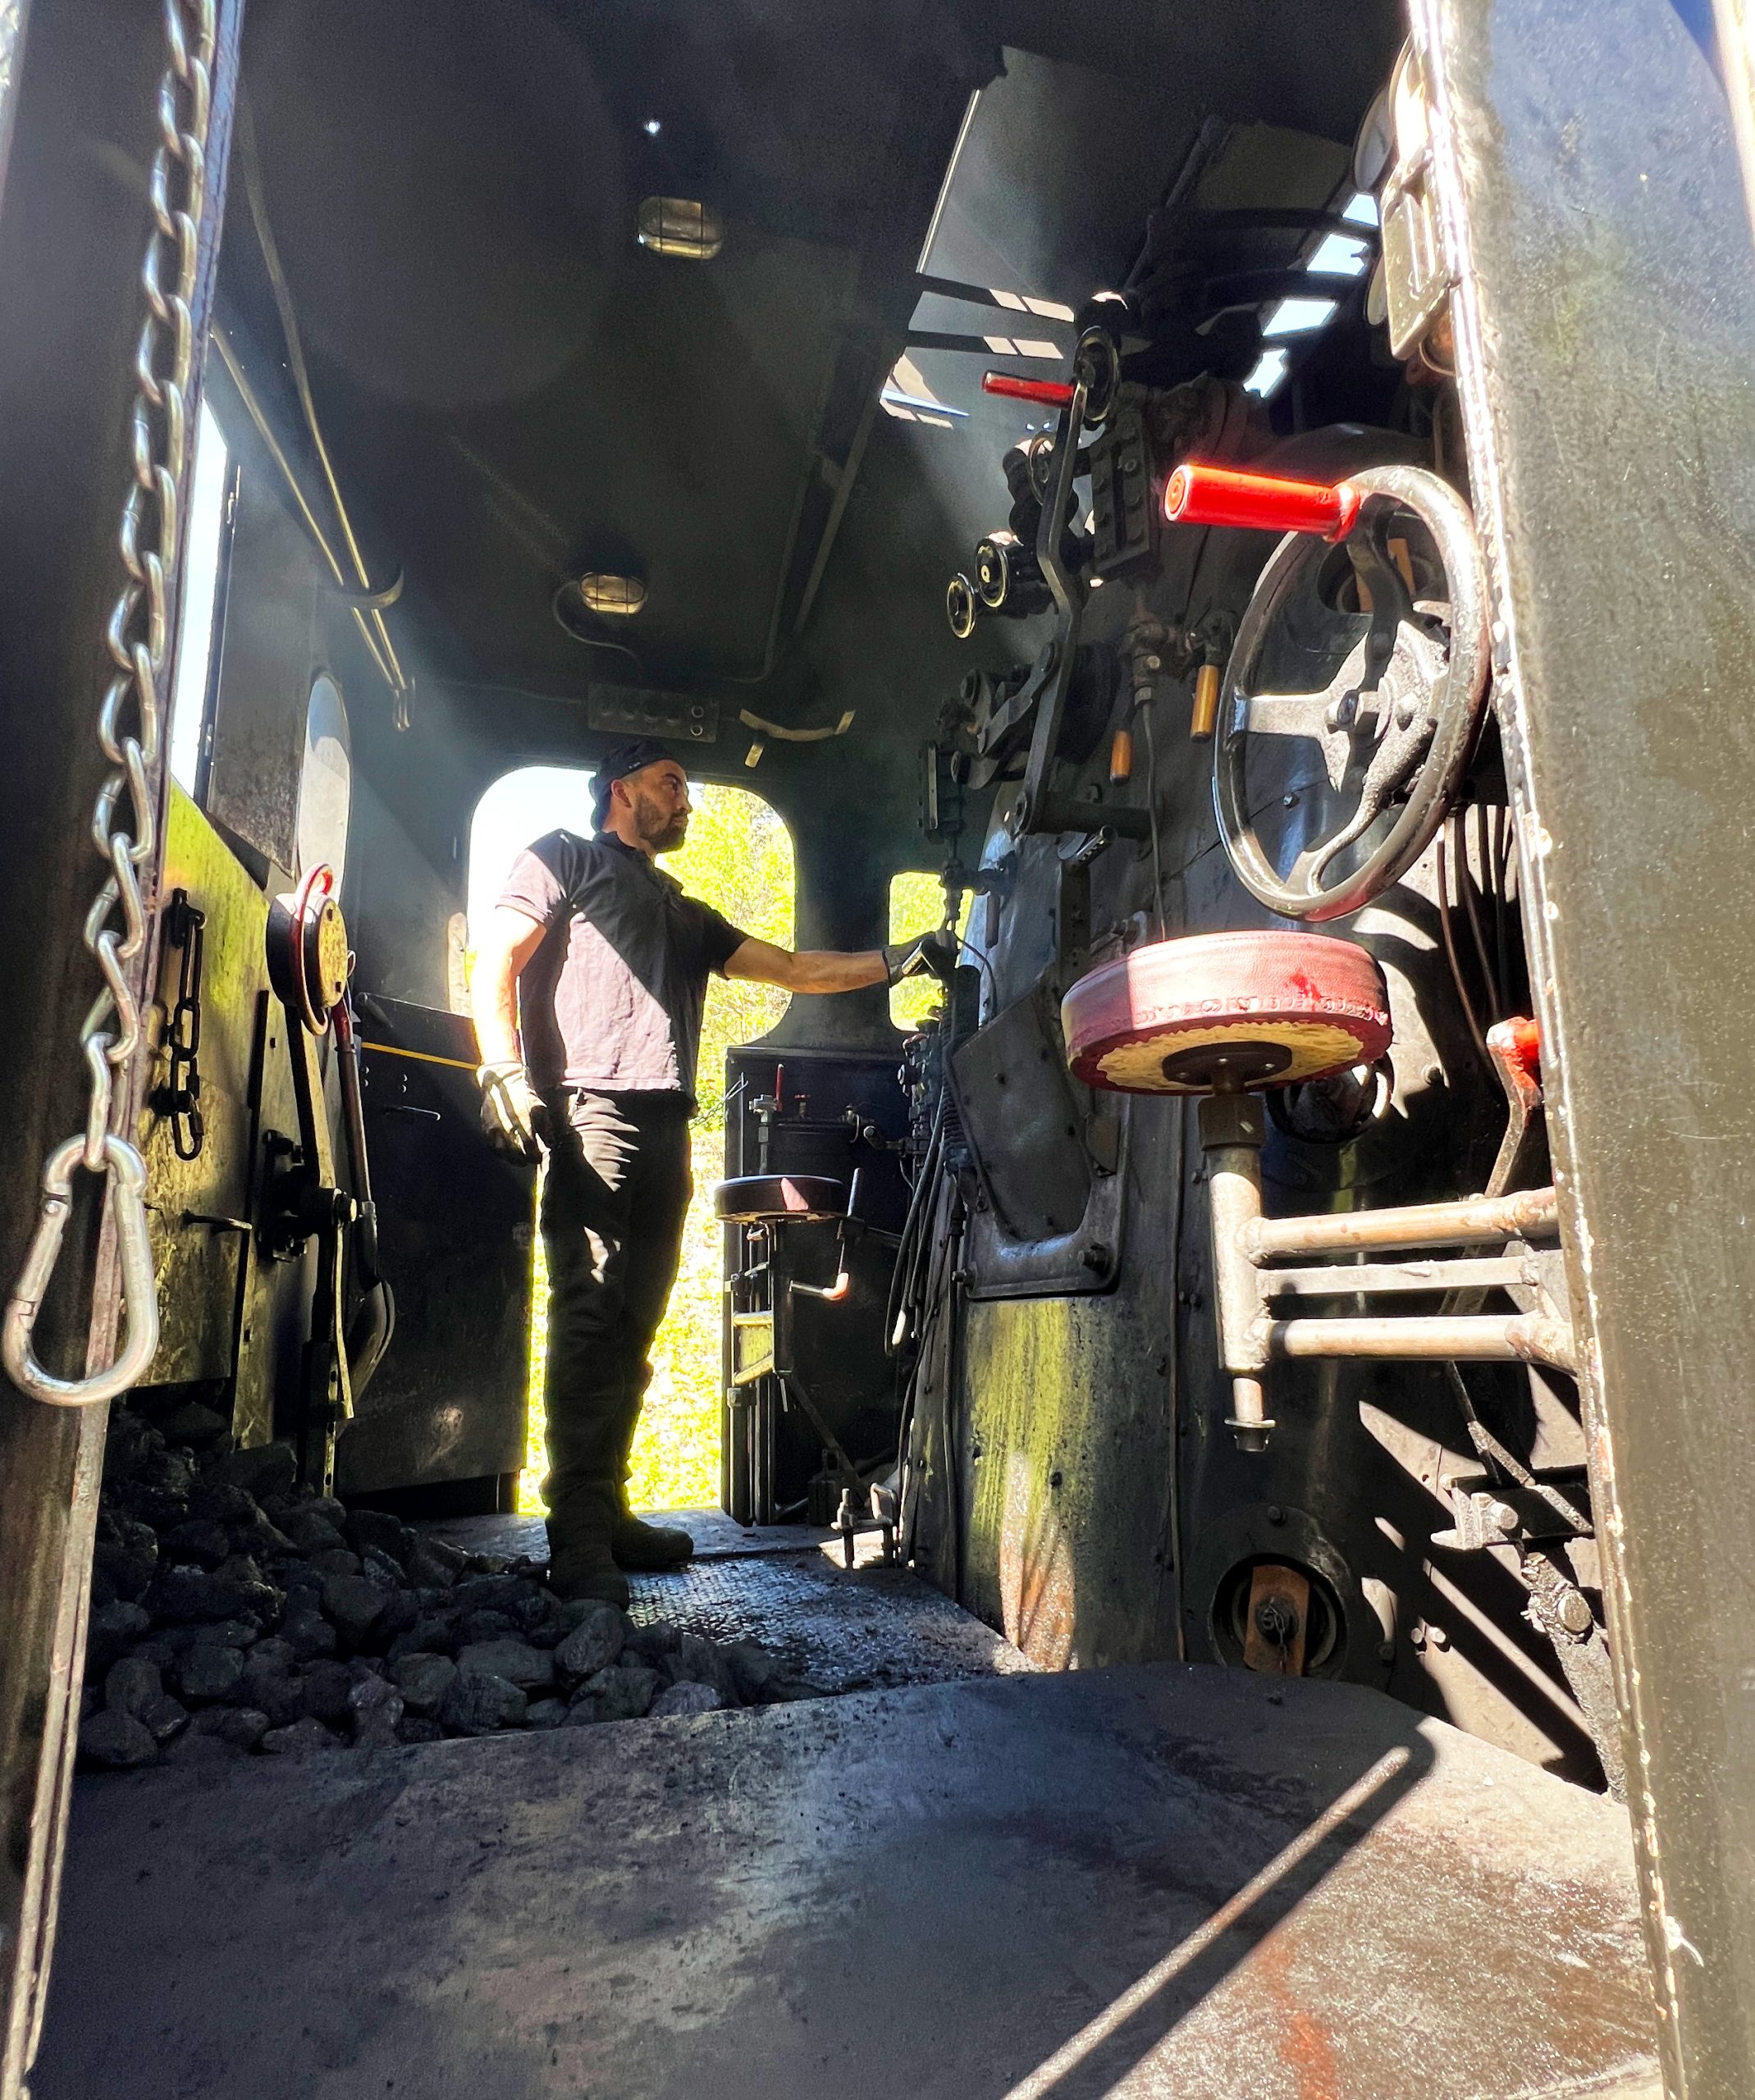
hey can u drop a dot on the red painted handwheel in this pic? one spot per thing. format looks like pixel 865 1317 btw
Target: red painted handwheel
pixel 778 1199
pixel 308 953
pixel 1220 1012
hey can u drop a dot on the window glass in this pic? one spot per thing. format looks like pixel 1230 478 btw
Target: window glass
pixel 207 517
pixel 325 781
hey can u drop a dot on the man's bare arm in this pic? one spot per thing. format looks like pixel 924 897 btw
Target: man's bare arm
pixel 817 969
pixel 512 938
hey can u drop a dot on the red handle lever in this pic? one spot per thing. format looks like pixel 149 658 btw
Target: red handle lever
pixel 1052 393
pixel 1219 496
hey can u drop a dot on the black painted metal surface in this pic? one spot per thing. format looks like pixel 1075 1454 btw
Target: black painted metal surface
pixel 837 1346
pixel 455 1228
pixel 1608 354
pixel 1148 1883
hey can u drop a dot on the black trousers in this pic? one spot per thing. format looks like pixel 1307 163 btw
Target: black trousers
pixel 613 1199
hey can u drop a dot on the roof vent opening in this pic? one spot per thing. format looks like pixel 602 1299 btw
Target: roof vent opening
pixel 680 226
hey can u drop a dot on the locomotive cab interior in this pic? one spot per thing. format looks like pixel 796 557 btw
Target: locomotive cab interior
pixel 1044 448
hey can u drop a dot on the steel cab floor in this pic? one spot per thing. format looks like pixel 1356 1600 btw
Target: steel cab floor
pixel 1163 1881
pixel 784 1585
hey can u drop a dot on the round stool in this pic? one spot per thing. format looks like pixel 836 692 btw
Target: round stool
pixel 1227 1013
pixel 778 1199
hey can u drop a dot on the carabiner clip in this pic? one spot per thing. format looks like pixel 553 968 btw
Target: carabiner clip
pixel 127 1194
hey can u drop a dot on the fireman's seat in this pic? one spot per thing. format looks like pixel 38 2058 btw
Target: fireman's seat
pixel 1226 1013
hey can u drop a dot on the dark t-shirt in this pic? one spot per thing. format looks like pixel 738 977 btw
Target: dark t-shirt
pixel 611 1000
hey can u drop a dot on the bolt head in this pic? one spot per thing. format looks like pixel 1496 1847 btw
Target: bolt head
pixel 1575 1613
pixel 1506 1517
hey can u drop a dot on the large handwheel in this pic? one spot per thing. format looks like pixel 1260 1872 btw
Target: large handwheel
pixel 1227 1013
pixel 1395 721
pixel 778 1199
pixel 307 949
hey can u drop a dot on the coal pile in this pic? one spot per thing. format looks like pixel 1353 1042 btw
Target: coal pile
pixel 234 1612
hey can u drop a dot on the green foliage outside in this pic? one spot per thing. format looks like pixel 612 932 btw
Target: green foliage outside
pixel 739 860
pixel 916 902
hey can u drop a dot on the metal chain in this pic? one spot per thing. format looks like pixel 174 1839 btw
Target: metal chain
pixel 130 730
pixel 180 1098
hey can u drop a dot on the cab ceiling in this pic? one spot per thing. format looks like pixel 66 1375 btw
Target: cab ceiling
pixel 513 390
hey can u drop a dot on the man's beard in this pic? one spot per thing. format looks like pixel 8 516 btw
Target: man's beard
pixel 663 834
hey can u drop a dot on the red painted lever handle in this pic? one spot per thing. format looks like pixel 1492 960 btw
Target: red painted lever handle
pixel 1052 393
pixel 1219 496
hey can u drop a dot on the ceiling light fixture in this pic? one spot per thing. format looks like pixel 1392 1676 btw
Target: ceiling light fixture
pixel 620 596
pixel 680 226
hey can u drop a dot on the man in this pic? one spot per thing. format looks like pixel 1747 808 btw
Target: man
pixel 588 989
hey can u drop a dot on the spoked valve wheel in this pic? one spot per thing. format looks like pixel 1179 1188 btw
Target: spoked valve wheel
pixel 1396 722
pixel 1227 1013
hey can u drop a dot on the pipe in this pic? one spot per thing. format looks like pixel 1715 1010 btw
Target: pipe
pixel 1479 1220
pixel 1514 1338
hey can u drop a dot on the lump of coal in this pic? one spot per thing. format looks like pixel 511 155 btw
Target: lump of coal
pixel 375 1708
pixel 355 1604
pixel 210 1672
pixel 308 1633
pixel 192 1423
pixel 595 1642
pixel 222 1500
pixel 652 1642
pixel 423 1680
pixel 238 1727
pixel 477 1704
pixel 311 1534
pixel 227 1591
pixel 756 1673
pixel 547 1714
pixel 112 1630
pixel 128 1554
pixel 202 1540
pixel 623 1691
pixel 264 1470
pixel 131 1684
pixel 326 1689
pixel 163 1718
pixel 686 1698
pixel 529 1668
pixel 378 1530
pixel 116 1742
pixel 697 1661
pixel 299 1739
pixel 272 1682
pixel 429 1569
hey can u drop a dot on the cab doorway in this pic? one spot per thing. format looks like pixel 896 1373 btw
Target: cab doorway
pixel 739 860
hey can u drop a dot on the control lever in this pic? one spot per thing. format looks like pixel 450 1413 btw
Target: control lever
pixel 308 966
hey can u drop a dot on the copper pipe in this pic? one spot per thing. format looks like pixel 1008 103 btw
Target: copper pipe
pixel 1479 1220
pixel 1513 1338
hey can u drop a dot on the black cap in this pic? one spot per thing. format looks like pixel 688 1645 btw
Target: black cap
pixel 630 755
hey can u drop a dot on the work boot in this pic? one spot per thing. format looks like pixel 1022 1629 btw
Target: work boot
pixel 581 1563
pixel 638 1545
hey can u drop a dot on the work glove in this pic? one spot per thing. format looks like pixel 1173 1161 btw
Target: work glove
pixel 936 952
pixel 512 1111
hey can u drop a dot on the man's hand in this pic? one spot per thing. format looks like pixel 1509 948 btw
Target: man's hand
pixel 512 1110
pixel 936 952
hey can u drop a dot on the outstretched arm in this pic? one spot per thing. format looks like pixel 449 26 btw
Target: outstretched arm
pixel 816 969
